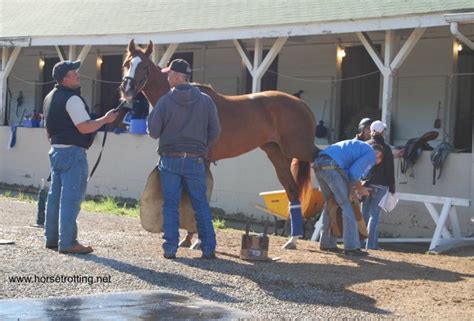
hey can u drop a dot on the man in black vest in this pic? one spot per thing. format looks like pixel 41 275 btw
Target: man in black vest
pixel 71 132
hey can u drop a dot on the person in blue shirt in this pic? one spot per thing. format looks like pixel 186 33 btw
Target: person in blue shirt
pixel 339 169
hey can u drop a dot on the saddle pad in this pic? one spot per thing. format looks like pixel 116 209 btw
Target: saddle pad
pixel 151 204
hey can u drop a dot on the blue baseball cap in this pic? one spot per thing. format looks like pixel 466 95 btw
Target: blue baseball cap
pixel 61 68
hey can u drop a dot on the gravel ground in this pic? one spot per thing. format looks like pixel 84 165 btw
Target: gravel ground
pixel 303 283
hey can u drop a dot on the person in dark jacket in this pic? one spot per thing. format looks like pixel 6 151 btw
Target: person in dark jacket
pixel 70 131
pixel 381 180
pixel 186 122
pixel 363 130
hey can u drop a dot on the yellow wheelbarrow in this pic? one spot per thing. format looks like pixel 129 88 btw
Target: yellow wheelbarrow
pixel 277 204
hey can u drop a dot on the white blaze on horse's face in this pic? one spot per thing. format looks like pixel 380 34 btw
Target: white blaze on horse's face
pixel 131 71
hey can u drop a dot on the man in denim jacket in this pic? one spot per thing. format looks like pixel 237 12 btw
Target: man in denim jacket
pixel 339 169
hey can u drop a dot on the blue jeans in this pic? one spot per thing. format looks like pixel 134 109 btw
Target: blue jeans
pixel 190 173
pixel 333 182
pixel 371 213
pixel 68 187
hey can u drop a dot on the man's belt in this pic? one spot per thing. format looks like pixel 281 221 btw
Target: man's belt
pixel 181 154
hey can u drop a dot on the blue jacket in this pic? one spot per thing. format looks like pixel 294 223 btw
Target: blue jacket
pixel 185 120
pixel 355 157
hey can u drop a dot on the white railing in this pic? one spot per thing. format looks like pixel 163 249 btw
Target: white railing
pixel 442 239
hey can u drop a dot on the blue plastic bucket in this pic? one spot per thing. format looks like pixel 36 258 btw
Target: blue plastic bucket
pixel 138 126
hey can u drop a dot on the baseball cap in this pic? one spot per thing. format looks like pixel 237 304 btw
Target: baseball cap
pixel 61 68
pixel 178 65
pixel 378 126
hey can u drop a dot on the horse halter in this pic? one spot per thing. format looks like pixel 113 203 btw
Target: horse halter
pixel 132 81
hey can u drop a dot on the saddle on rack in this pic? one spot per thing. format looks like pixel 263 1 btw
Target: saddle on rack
pixel 413 148
pixel 438 156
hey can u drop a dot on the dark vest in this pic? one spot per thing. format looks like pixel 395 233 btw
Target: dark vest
pixel 61 129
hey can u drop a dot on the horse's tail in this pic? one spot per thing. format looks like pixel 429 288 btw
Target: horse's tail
pixel 301 171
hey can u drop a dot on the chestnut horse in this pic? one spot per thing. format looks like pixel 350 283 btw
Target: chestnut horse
pixel 281 125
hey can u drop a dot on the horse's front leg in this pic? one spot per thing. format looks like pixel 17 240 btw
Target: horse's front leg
pixel 282 166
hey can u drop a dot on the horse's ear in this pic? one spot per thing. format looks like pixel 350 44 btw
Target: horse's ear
pixel 149 49
pixel 131 47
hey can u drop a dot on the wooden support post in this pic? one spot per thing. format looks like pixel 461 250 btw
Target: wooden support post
pixel 158 51
pixel 389 66
pixel 72 52
pixel 453 215
pixel 388 76
pixel 167 55
pixel 61 53
pixel 84 52
pixel 274 51
pixel 239 45
pixel 257 59
pixel 259 67
pixel 434 215
pixel 336 115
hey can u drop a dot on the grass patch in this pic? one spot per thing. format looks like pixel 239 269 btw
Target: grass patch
pixel 111 206
pixel 219 224
pixel 19 196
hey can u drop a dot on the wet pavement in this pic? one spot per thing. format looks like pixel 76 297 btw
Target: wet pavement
pixel 142 305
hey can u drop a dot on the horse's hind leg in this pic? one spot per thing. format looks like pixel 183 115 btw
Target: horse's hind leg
pixel 282 166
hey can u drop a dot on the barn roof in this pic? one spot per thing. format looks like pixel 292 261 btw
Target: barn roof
pixel 50 22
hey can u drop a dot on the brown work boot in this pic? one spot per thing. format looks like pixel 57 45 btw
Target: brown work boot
pixel 77 249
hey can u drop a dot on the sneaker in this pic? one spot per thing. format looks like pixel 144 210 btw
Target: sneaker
pixel 77 249
pixel 355 253
pixel 169 256
pixel 209 256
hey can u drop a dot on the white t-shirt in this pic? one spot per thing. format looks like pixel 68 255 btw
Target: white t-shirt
pixel 77 111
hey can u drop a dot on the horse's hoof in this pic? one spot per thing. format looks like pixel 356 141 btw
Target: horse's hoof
pixel 196 245
pixel 289 246
pixel 185 243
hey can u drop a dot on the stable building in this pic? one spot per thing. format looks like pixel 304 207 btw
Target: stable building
pixel 408 63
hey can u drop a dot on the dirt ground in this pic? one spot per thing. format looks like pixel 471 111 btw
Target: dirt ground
pixel 399 282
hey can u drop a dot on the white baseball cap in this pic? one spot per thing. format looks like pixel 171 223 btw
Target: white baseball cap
pixel 378 126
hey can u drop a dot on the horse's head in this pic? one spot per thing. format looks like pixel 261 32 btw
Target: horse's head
pixel 136 70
